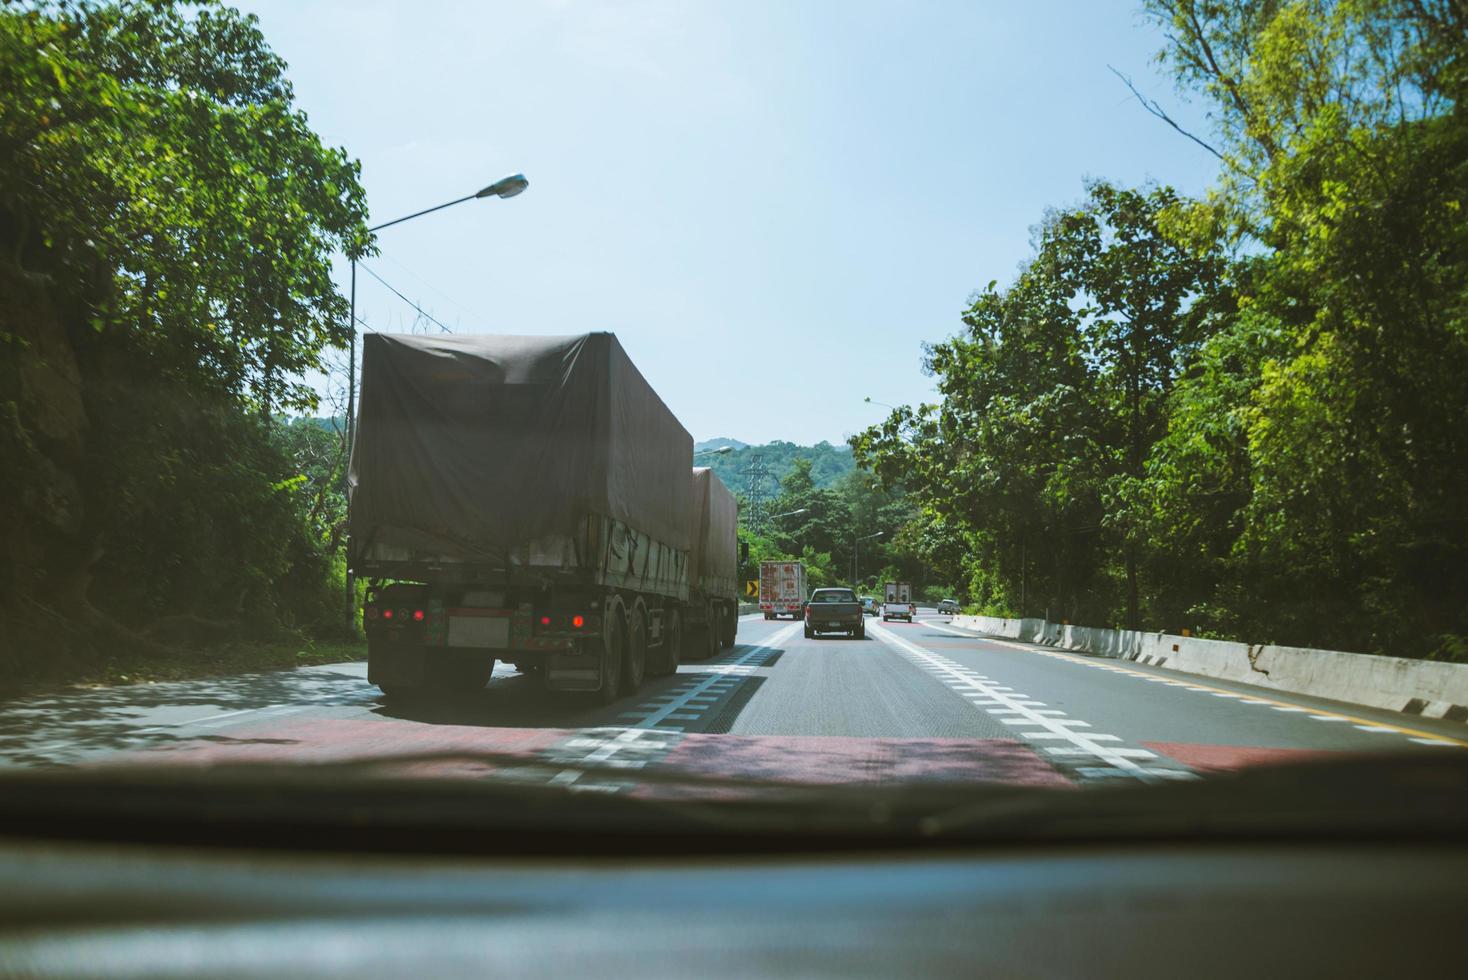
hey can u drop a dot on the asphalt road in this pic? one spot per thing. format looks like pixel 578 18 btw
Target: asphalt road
pixel 911 701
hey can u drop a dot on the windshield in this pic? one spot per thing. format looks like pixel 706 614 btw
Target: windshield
pixel 505 396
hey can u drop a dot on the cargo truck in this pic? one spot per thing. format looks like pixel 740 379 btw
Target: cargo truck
pixel 897 602
pixel 711 616
pixel 781 589
pixel 521 499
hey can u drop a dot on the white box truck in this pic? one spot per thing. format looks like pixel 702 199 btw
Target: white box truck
pixel 897 602
pixel 781 589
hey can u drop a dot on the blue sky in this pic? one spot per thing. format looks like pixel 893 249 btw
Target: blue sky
pixel 773 205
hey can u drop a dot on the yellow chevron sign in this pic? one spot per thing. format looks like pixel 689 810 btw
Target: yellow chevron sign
pixel 751 589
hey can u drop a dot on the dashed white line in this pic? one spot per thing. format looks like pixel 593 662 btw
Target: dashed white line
pixel 1019 710
pixel 1313 714
pixel 608 742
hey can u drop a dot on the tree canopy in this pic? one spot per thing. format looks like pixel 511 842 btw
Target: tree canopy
pixel 1241 414
pixel 168 221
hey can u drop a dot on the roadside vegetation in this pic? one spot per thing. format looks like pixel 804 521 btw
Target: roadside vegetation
pixel 1245 414
pixel 827 463
pixel 167 225
pixel 821 525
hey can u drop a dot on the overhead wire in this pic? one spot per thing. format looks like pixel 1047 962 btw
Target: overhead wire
pixel 421 311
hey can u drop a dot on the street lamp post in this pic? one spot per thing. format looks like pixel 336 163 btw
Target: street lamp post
pixel 722 450
pixel 788 513
pixel 503 188
pixel 856 560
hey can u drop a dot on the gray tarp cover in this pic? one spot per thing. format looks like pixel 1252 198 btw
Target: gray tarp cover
pixel 468 444
pixel 716 541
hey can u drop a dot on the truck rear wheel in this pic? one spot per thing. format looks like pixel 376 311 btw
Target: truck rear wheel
pixel 635 666
pixel 670 651
pixel 703 641
pixel 731 627
pixel 613 646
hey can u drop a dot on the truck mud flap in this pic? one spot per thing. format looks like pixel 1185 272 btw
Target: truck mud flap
pixel 396 665
pixel 568 672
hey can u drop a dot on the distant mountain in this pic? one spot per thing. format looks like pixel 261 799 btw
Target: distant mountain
pixel 699 447
pixel 828 463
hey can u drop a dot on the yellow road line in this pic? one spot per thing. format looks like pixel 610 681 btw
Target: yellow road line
pixel 1114 666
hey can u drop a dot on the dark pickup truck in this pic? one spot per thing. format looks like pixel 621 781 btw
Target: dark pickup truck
pixel 835 611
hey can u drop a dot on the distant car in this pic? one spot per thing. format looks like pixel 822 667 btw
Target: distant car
pixel 948 606
pixel 870 605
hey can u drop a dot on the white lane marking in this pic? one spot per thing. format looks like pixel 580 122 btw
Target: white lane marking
pixel 1094 738
pixel 1133 671
pixel 1021 712
pixel 1074 750
pixel 611 741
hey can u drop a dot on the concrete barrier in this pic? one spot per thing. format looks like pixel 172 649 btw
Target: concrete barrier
pixel 1419 687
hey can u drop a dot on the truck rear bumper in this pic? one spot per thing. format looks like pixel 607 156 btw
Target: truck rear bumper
pixel 403 665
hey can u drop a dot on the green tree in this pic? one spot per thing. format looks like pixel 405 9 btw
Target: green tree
pixel 1329 420
pixel 174 216
pixel 1034 460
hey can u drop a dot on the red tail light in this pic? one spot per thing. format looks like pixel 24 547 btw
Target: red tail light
pixel 578 621
pixel 387 614
pixel 417 615
pixel 545 620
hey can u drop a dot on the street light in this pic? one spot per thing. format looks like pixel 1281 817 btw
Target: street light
pixel 714 452
pixel 764 522
pixel 502 188
pixel 855 552
pixel 870 401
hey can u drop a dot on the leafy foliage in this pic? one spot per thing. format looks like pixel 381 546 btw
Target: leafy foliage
pixel 1241 414
pixel 828 463
pixel 173 218
pixel 843 533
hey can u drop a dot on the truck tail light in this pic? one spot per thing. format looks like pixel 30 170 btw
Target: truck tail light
pixel 545 620
pixel 371 612
pixel 417 615
pixel 578 621
pixel 387 614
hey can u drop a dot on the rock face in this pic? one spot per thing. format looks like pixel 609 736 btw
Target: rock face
pixel 43 427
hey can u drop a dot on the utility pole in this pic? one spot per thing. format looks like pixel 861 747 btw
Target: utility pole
pixel 856 559
pixel 506 187
pixel 755 477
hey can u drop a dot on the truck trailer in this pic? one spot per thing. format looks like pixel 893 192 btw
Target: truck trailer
pixel 711 616
pixel 521 499
pixel 897 602
pixel 781 589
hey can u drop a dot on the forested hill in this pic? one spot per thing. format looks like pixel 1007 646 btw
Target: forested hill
pixel 828 463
